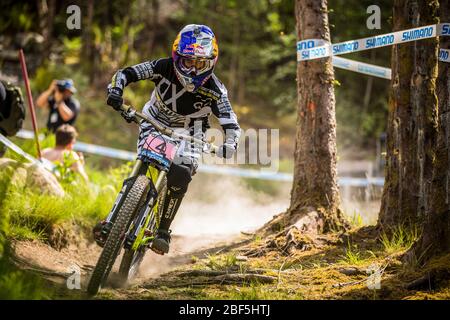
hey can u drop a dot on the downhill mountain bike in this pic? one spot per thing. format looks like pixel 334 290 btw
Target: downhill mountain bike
pixel 134 218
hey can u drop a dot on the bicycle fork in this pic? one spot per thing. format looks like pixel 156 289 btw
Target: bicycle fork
pixel 148 218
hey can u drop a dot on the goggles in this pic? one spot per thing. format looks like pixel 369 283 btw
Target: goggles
pixel 196 66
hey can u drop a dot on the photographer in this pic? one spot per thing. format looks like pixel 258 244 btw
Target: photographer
pixel 64 108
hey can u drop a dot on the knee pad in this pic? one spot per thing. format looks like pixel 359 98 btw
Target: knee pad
pixel 178 178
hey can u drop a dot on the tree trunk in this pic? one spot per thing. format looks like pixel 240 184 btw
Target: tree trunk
pixel 315 194
pixel 436 232
pixel 46 13
pixel 412 120
pixel 88 42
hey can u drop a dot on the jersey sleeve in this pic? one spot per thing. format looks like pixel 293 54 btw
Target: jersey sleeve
pixel 226 116
pixel 150 70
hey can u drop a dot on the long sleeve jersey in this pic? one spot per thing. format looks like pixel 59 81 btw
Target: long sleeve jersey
pixel 173 106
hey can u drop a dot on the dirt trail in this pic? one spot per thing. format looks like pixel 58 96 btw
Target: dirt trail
pixel 57 265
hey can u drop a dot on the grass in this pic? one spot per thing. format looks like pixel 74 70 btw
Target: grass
pixel 401 238
pixel 356 220
pixel 222 262
pixel 31 214
pixel 27 214
pixel 353 256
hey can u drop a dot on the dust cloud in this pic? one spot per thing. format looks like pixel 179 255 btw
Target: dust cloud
pixel 215 211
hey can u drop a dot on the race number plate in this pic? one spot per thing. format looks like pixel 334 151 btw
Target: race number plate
pixel 159 148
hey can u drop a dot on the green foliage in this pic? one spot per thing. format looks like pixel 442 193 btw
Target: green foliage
pixel 356 220
pixel 354 256
pixel 52 70
pixel 400 238
pixel 222 262
pixel 31 214
pixel 16 284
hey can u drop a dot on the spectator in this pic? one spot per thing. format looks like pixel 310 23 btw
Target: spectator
pixel 12 111
pixel 63 107
pixel 65 139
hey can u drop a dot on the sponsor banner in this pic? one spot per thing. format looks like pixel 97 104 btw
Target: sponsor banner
pixel 315 49
pixel 361 67
pixel 444 55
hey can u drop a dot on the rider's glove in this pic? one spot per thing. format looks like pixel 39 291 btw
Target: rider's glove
pixel 226 151
pixel 127 117
pixel 115 99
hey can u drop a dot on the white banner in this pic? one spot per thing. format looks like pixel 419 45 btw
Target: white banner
pixel 315 49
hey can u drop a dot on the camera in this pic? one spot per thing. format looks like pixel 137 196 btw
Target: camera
pixel 60 85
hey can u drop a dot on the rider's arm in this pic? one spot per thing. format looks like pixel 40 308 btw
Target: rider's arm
pixel 227 119
pixel 150 70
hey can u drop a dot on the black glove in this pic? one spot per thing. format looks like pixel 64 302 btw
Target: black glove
pixel 115 99
pixel 226 151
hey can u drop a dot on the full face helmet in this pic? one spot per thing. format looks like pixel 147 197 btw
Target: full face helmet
pixel 194 54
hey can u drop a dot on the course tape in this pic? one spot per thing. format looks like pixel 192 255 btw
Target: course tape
pixel 315 49
pixel 15 148
pixel 212 169
pixel 361 67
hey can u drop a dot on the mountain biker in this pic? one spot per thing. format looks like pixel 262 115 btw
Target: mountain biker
pixel 186 91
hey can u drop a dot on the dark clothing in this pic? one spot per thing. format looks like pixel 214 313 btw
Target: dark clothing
pixel 12 109
pixel 173 106
pixel 54 118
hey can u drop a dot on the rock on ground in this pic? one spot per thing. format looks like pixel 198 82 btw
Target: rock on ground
pixel 32 176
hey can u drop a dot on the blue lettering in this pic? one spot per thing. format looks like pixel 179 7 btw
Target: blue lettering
pixel 380 41
pixel 345 47
pixel 307 44
pixel 446 29
pixel 417 34
pixel 443 55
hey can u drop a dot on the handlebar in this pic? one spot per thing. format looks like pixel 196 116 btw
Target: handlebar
pixel 140 117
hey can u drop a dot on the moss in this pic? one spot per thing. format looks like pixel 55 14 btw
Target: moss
pixel 315 274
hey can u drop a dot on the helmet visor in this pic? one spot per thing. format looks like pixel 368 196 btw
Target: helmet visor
pixel 194 66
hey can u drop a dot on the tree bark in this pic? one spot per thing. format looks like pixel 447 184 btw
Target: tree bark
pixel 88 42
pixel 314 203
pixel 412 119
pixel 46 13
pixel 436 232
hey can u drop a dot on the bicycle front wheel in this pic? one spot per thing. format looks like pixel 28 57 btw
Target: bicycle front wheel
pixel 134 200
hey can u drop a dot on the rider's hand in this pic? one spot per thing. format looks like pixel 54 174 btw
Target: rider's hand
pixel 115 99
pixel 127 117
pixel 226 151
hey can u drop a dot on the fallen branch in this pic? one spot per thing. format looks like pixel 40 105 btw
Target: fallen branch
pixel 230 278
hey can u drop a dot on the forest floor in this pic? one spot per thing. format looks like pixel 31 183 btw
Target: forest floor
pixel 354 265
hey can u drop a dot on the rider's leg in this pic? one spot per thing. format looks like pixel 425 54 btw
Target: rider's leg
pixel 178 179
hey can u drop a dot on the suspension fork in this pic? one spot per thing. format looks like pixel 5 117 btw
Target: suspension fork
pixel 138 232
pixel 139 168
